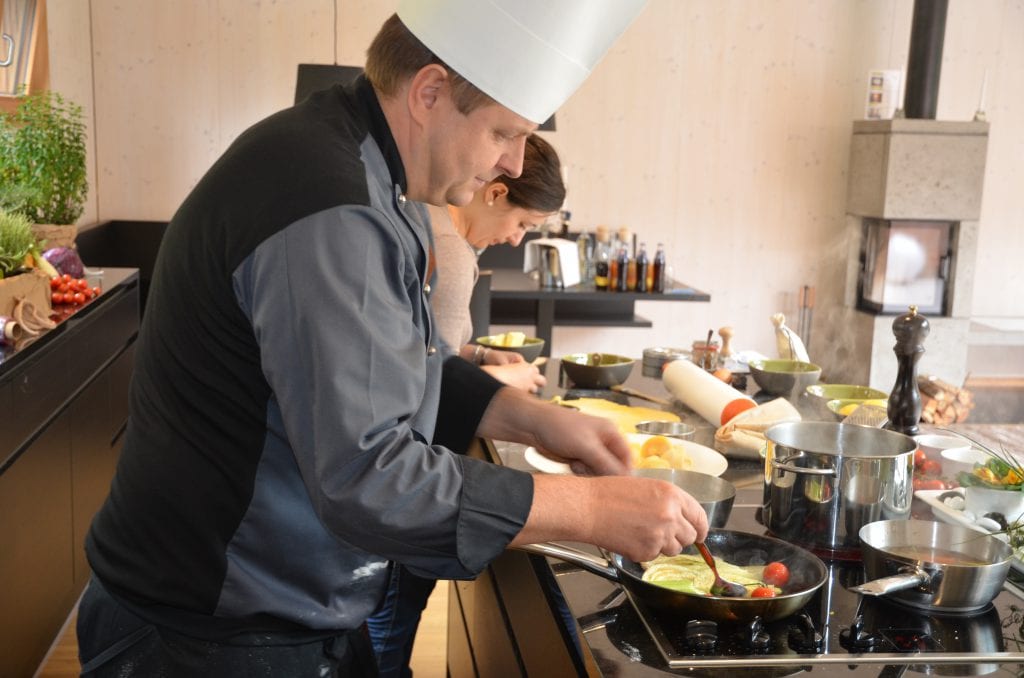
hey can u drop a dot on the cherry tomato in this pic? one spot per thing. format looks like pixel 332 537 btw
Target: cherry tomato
pixel 763 592
pixel 69 297
pixel 931 467
pixel 66 278
pixel 776 574
pixel 62 287
pixel 79 298
pixel 54 283
pixel 96 291
pixel 929 484
pixel 919 458
pixel 57 297
pixel 83 284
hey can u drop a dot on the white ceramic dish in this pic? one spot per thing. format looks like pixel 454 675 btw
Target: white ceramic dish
pixel 953 516
pixel 961 459
pixel 705 459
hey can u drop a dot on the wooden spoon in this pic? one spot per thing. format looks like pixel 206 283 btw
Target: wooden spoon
pixel 721 587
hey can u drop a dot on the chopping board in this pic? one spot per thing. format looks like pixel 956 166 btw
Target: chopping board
pixel 626 417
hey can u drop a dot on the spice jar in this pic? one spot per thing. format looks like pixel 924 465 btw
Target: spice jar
pixel 704 354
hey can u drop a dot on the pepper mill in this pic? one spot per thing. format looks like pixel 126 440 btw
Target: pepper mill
pixel 726 333
pixel 905 400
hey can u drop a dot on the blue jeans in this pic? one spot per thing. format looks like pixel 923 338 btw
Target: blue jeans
pixel 114 642
pixel 393 626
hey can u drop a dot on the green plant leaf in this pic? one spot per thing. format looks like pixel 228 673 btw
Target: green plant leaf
pixel 42 150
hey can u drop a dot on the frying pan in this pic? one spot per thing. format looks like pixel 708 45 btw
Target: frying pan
pixel 931 565
pixel 807 574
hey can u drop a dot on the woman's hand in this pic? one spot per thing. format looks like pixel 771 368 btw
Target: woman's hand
pixel 495 357
pixel 521 375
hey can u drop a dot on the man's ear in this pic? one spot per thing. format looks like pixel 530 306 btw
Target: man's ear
pixel 427 88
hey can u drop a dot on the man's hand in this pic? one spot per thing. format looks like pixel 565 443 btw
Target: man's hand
pixel 639 518
pixel 591 445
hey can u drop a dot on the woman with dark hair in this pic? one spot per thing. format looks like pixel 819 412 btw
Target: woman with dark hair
pixel 503 211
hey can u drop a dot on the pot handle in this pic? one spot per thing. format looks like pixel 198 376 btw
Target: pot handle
pixel 589 562
pixel 898 582
pixel 785 466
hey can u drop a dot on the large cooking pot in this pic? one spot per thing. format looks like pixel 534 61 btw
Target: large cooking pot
pixel 823 481
pixel 933 566
pixel 806 575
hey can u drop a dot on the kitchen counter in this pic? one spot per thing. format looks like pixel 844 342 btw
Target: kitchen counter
pixel 64 405
pixel 614 641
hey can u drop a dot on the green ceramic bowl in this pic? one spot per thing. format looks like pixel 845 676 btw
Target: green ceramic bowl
pixel 530 350
pixel 845 392
pixel 597 370
pixel 783 377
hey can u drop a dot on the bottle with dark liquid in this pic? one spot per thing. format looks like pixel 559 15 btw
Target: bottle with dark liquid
pixel 602 258
pixel 613 271
pixel 658 270
pixel 623 271
pixel 642 267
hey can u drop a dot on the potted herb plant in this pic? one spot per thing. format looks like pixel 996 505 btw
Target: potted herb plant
pixel 43 165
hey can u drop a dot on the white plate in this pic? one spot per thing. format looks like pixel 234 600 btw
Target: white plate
pixel 705 459
pixel 954 516
pixel 545 464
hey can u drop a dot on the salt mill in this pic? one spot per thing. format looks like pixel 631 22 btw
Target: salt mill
pixel 905 400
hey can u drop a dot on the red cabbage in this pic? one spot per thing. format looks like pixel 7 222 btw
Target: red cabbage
pixel 65 260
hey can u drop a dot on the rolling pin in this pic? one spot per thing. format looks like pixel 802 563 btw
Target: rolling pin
pixel 706 395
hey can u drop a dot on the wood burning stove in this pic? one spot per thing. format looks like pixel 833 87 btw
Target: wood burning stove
pixel 905 263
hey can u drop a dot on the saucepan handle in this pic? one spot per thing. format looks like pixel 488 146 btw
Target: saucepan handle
pixel 588 561
pixel 786 466
pixel 898 582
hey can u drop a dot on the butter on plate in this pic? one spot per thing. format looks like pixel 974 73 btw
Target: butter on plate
pixel 626 417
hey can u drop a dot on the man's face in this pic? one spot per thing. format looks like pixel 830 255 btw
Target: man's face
pixel 468 151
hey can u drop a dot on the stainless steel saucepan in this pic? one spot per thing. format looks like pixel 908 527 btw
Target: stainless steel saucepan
pixel 933 566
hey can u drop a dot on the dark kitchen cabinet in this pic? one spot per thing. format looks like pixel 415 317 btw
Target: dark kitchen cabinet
pixel 65 408
pixel 504 623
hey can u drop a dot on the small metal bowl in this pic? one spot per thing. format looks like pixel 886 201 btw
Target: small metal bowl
pixel 669 429
pixel 714 494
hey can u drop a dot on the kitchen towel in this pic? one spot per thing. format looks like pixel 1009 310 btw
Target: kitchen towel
pixel 743 436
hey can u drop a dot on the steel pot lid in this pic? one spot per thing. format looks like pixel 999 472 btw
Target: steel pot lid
pixel 841 440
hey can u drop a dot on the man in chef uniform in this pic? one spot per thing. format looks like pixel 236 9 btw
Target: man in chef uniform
pixel 288 392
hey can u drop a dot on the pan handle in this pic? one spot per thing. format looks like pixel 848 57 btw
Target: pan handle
pixel 785 466
pixel 908 579
pixel 588 561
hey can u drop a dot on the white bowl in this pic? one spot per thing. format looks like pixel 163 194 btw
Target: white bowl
pixel 933 444
pixel 961 459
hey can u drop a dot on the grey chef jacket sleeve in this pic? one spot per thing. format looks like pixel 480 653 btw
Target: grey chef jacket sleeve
pixel 342 321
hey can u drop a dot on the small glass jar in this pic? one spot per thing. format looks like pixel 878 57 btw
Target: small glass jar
pixel 704 354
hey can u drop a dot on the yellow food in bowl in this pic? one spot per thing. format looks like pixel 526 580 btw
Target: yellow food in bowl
pixel 659 452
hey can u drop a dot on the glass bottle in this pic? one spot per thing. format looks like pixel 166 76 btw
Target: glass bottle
pixel 642 269
pixel 602 258
pixel 658 270
pixel 623 277
pixel 613 271
pixel 585 252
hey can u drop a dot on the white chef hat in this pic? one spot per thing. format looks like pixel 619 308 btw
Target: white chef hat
pixel 528 55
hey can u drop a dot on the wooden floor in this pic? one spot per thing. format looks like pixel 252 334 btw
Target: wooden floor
pixel 429 653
